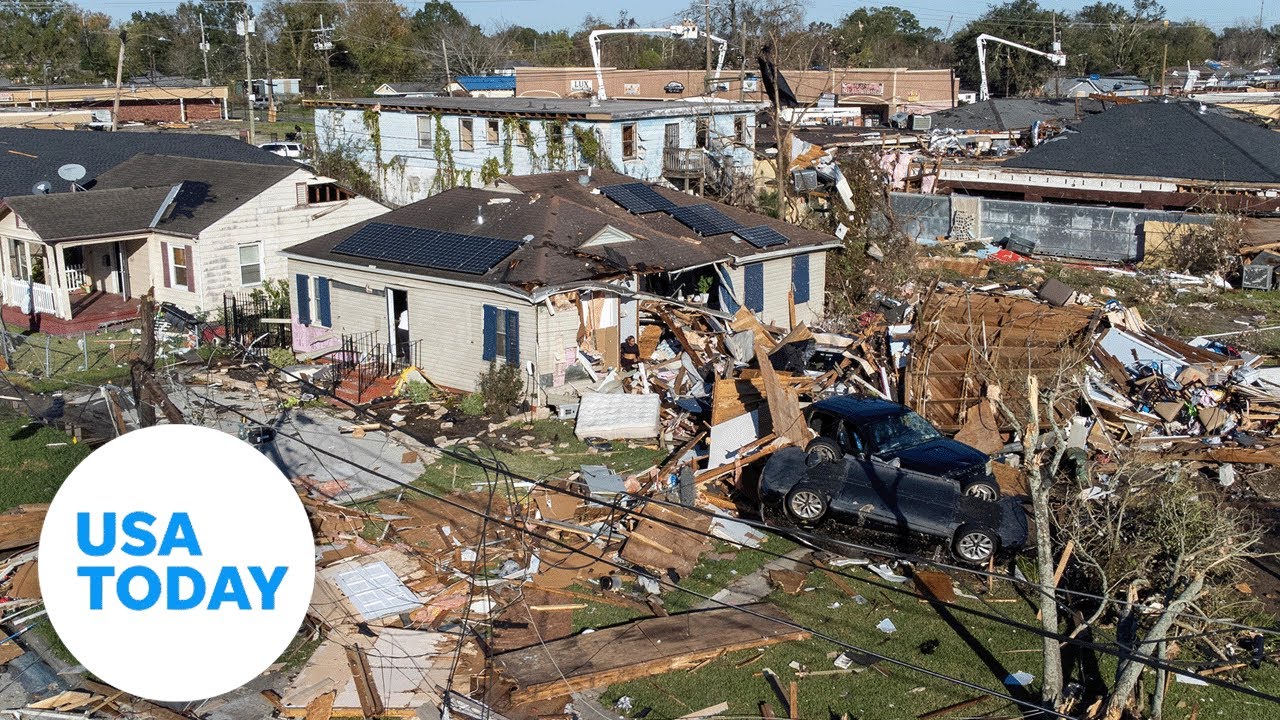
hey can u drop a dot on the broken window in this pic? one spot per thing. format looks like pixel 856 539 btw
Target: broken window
pixel 491 130
pixel 426 129
pixel 740 130
pixel 629 144
pixel 320 193
pixel 466 140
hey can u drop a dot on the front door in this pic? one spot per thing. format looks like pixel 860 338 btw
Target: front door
pixel 398 326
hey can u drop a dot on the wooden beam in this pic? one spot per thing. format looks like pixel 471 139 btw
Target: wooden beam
pixel 370 701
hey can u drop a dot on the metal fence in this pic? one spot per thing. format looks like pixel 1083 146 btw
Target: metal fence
pixel 362 359
pixel 256 320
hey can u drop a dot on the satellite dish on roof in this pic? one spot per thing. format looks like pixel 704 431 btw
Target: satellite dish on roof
pixel 44 187
pixel 71 172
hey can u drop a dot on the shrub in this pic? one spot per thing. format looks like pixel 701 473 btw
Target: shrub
pixel 501 387
pixel 472 405
pixel 419 392
pixel 281 357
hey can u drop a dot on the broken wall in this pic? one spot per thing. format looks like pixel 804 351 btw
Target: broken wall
pixel 1078 231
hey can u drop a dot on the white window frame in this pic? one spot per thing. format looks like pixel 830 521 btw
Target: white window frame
pixel 425 139
pixel 173 267
pixel 242 264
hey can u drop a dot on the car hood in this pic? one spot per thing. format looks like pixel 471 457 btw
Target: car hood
pixel 940 456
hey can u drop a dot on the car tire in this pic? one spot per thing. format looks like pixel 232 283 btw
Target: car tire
pixel 806 505
pixel 975 545
pixel 825 449
pixel 983 490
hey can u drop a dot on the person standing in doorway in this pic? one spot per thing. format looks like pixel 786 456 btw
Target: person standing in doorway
pixel 402 336
pixel 630 353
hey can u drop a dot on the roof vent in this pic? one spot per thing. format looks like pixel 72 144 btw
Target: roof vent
pixel 584 179
pixel 1202 108
pixel 526 238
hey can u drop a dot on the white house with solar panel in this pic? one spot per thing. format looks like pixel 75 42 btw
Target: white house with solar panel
pixel 552 272
pixel 415 147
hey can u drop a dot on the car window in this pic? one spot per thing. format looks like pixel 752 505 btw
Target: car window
pixel 850 440
pixel 892 434
pixel 271 148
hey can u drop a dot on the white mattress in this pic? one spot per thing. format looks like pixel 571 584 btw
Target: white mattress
pixel 618 416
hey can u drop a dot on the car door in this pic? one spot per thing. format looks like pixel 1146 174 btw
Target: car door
pixel 928 502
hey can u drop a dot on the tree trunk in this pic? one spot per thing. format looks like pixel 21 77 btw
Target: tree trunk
pixel 1130 670
pixel 1046 599
pixel 146 361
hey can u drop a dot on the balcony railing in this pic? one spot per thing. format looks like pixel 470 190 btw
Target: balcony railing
pixel 683 162
pixel 74 277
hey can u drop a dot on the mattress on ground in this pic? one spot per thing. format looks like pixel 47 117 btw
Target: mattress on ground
pixel 618 416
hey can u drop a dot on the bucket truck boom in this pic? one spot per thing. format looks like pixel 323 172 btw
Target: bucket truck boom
pixel 684 31
pixel 1057 57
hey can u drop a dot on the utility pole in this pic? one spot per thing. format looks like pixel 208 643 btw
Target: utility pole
pixel 115 106
pixel 47 67
pixel 448 78
pixel 324 44
pixel 1164 69
pixel 204 50
pixel 246 26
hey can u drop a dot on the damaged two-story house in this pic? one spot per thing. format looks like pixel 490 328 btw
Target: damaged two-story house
pixel 544 271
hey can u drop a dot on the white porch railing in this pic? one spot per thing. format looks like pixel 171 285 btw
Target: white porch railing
pixel 20 294
pixel 74 277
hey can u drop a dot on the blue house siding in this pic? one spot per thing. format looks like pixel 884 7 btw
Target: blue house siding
pixel 406 172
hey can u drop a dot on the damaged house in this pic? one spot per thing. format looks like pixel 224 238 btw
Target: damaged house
pixel 552 272
pixel 1096 189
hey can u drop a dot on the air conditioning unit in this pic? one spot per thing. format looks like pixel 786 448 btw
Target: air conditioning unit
pixel 921 122
pixel 1257 277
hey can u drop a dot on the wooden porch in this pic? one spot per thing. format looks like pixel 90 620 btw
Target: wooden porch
pixel 90 311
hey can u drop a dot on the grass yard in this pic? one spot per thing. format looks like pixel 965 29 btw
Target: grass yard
pixel 63 365
pixel 974 649
pixel 30 470
pixel 568 453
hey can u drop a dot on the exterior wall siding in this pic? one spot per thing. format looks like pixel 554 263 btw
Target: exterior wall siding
pixel 448 319
pixel 275 221
pixel 406 172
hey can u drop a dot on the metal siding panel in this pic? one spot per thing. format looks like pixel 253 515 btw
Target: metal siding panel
pixel 800 278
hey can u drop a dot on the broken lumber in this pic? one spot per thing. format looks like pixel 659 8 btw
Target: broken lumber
pixel 639 649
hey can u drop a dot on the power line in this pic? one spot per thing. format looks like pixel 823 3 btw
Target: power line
pixel 1144 660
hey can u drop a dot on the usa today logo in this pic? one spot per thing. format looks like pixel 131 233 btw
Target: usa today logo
pixel 176 563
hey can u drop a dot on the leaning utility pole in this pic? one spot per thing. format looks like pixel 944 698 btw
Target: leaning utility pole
pixel 115 106
pixel 448 78
pixel 204 50
pixel 246 26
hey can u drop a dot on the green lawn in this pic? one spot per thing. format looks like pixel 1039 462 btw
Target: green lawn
pixel 30 470
pixel 63 364
pixel 568 454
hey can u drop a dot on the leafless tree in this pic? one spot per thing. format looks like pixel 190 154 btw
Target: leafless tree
pixel 470 50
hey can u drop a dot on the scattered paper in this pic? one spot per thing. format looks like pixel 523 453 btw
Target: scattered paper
pixel 1020 678
pixel 886 626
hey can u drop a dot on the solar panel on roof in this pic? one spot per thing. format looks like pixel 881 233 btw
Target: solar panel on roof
pixel 705 219
pixel 762 236
pixel 637 198
pixel 434 249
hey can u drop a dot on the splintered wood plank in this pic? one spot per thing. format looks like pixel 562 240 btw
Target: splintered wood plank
pixel 321 708
pixel 639 649
pixel 370 701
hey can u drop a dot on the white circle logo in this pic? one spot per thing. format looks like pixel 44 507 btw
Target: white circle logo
pixel 176 563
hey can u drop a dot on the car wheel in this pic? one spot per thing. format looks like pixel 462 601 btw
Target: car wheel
pixel 983 490
pixel 806 505
pixel 974 544
pixel 825 450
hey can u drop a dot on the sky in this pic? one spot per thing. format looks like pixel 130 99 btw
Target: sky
pixel 558 14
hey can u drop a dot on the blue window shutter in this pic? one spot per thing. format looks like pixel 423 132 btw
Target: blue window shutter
pixel 753 293
pixel 304 298
pixel 322 301
pixel 800 277
pixel 513 337
pixel 490 332
pixel 727 303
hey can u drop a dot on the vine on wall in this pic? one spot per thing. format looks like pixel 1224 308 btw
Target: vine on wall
pixel 490 170
pixel 372 123
pixel 591 147
pixel 446 176
pixel 557 148
pixel 509 127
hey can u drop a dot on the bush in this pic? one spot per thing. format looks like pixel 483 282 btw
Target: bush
pixel 419 392
pixel 281 357
pixel 472 405
pixel 501 387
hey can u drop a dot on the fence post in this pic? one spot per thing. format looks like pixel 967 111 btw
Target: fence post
pixel 46 356
pixel 84 340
